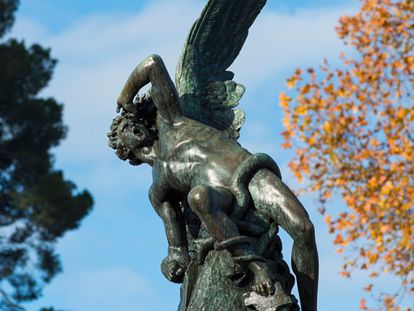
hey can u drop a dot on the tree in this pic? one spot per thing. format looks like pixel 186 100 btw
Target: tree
pixel 37 205
pixel 353 131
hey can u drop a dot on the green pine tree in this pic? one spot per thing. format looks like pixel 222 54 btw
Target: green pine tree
pixel 37 205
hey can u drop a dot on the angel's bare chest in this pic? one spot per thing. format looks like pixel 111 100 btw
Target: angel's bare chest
pixel 188 160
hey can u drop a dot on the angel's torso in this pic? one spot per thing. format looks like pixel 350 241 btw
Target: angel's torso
pixel 191 153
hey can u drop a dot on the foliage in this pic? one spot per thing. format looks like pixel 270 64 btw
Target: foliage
pixel 7 8
pixel 353 129
pixel 37 205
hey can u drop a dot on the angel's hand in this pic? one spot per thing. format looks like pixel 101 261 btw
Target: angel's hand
pixel 128 107
pixel 134 105
pixel 175 264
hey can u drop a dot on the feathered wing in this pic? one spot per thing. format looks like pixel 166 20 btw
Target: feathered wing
pixel 206 89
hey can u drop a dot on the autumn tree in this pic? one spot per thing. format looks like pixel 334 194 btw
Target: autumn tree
pixel 37 205
pixel 353 135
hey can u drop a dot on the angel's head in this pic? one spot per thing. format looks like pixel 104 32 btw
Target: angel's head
pixel 133 135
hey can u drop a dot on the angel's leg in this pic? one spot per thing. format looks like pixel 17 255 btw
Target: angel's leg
pixel 212 204
pixel 175 264
pixel 274 199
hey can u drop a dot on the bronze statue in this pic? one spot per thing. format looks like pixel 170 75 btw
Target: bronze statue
pixel 188 134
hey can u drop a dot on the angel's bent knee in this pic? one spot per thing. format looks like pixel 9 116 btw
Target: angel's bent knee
pixel 199 199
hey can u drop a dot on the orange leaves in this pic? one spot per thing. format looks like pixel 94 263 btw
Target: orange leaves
pixel 372 257
pixel 327 127
pixel 305 89
pixel 363 304
pixel 345 274
pixel 339 239
pixel 387 188
pixel 329 89
pixel 373 274
pixel 284 100
pixel 354 128
pixel 291 82
pixel 328 220
pixel 301 110
pixel 409 61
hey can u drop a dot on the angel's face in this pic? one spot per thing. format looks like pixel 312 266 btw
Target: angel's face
pixel 132 135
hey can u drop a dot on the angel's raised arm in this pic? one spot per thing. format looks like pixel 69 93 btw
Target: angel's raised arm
pixel 152 70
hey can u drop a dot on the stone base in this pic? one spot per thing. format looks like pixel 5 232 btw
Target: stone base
pixel 218 284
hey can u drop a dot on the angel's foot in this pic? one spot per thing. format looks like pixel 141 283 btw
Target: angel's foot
pixel 263 284
pixel 175 264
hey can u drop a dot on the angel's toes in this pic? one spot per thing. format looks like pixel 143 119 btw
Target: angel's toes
pixel 264 288
pixel 270 288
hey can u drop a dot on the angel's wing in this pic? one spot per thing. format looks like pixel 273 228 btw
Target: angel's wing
pixel 206 89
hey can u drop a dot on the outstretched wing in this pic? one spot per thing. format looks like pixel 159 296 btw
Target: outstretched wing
pixel 206 89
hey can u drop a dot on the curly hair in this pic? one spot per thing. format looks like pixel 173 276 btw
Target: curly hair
pixel 145 115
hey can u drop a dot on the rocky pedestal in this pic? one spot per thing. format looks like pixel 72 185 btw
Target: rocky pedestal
pixel 222 284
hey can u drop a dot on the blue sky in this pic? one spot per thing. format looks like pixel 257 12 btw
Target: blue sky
pixel 112 262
